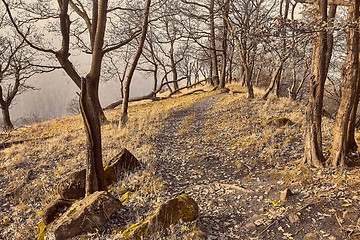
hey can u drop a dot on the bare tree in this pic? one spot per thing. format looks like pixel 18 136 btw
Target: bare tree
pixel 313 154
pixel 17 64
pixel 224 42
pixel 246 23
pixel 72 33
pixel 130 73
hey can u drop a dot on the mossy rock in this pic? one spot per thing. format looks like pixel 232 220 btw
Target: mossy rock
pixel 180 208
pixel 73 187
pixel 55 209
pixel 89 213
pixel 41 230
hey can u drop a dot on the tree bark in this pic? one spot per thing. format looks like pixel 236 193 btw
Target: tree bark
pixel 89 104
pixel 274 80
pixel 340 147
pixel 213 54
pixel 330 36
pixel 7 124
pixel 248 82
pixel 352 145
pixel 95 176
pixel 313 154
pixel 224 44
pixel 63 54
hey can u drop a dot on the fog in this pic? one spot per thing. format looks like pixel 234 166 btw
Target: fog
pixel 56 90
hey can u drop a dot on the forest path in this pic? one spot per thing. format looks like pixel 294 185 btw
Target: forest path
pixel 193 158
pixel 238 159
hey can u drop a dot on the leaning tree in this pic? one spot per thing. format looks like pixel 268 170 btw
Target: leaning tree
pixel 70 21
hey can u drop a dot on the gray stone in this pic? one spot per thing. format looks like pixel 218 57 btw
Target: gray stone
pixel 293 218
pixel 250 226
pixel 311 236
pixel 284 195
pixel 120 164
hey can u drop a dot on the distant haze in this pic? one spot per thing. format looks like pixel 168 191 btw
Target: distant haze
pixel 56 90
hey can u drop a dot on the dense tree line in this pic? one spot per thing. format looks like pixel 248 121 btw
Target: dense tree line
pixel 174 42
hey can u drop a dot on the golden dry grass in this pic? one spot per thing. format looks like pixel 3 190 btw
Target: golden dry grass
pixel 57 147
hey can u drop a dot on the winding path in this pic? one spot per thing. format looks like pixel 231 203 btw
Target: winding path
pixel 190 162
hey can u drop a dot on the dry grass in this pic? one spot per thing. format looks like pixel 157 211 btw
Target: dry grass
pixel 31 170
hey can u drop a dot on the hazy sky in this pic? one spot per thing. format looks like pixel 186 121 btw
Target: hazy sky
pixel 56 91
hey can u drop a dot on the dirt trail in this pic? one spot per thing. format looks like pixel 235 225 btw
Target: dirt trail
pixel 189 162
pixel 237 170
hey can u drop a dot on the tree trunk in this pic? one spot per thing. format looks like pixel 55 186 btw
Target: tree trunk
pixel 224 44
pixel 213 54
pixel 90 105
pixel 352 145
pixel 275 76
pixel 313 154
pixel 278 82
pixel 248 80
pixel 330 36
pixel 95 177
pixel 340 147
pixel 7 124
pixel 72 73
pixel 175 77
pixel 125 105
pixel 98 108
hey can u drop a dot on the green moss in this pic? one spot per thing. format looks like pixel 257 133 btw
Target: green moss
pixel 137 230
pixel 125 197
pixel 41 230
pixel 182 207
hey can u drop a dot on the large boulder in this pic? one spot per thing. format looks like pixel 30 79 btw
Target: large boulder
pixel 120 164
pixel 180 208
pixel 89 213
pixel 54 209
pixel 73 187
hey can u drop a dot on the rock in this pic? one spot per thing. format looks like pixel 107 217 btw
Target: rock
pixel 293 218
pixel 257 220
pixel 73 187
pixel 250 226
pixel 284 195
pixel 311 236
pixel 197 234
pixel 279 122
pixel 54 209
pixel 182 207
pixel 121 163
pixel 91 212
pixel 225 90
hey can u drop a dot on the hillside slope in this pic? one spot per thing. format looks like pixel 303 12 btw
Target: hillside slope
pixel 234 156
